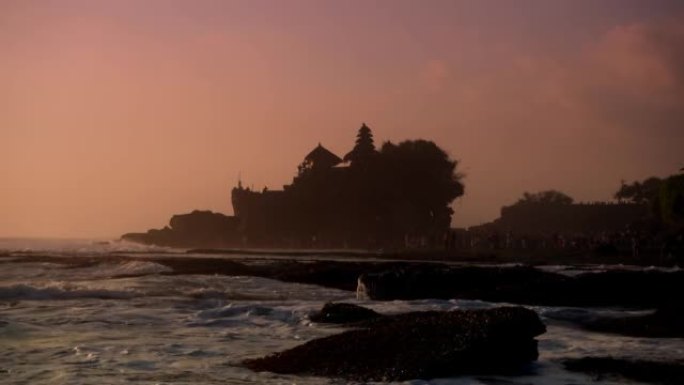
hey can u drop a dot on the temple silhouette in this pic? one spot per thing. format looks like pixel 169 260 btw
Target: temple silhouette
pixel 394 197
pixel 345 202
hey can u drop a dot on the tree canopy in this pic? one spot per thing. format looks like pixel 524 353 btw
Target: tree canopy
pixel 546 197
pixel 672 201
pixel 419 177
pixel 639 192
pixel 665 197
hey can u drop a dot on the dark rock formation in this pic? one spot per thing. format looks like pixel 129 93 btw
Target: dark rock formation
pixel 197 229
pixel 440 281
pixel 624 288
pixel 418 345
pixel 343 313
pixel 524 285
pixel 668 373
pixel 666 322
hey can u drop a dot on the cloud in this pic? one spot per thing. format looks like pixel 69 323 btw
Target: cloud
pixel 629 79
pixel 435 74
pixel 634 76
pixel 649 56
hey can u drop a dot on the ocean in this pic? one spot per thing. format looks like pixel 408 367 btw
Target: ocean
pixel 127 322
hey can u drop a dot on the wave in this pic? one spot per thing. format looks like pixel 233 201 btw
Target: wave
pixel 237 311
pixel 586 315
pixel 27 292
pixel 234 315
pixel 80 246
pixel 234 295
pixel 131 268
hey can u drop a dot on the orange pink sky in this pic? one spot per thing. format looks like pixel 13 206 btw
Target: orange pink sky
pixel 115 115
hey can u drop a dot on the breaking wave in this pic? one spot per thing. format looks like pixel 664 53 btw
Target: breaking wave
pixel 126 269
pixel 79 246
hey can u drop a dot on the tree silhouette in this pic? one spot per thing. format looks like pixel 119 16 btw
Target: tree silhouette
pixel 418 181
pixel 671 201
pixel 664 197
pixel 546 197
pixel 639 192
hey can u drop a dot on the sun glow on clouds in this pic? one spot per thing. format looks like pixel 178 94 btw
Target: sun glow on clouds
pixel 116 115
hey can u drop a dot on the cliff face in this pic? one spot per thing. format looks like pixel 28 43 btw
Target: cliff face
pixel 196 229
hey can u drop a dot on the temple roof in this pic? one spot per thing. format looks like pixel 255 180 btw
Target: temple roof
pixel 321 156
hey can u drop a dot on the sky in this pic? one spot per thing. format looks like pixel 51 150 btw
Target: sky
pixel 115 115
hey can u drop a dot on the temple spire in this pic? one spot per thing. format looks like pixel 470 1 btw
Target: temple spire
pixel 364 147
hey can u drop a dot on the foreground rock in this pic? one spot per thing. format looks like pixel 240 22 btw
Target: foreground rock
pixel 344 313
pixel 525 285
pixel 445 282
pixel 418 345
pixel 668 373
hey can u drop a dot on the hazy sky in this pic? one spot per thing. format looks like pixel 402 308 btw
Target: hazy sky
pixel 115 115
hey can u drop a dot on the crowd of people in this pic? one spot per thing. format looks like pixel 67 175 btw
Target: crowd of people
pixel 628 243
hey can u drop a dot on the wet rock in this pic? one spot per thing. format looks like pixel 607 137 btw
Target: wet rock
pixel 514 284
pixel 418 345
pixel 603 368
pixel 524 285
pixel 343 313
pixel 644 289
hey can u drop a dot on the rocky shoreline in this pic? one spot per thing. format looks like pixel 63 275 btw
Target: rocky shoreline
pixel 654 293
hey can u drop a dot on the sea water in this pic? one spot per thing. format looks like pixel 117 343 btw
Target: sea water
pixel 128 322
